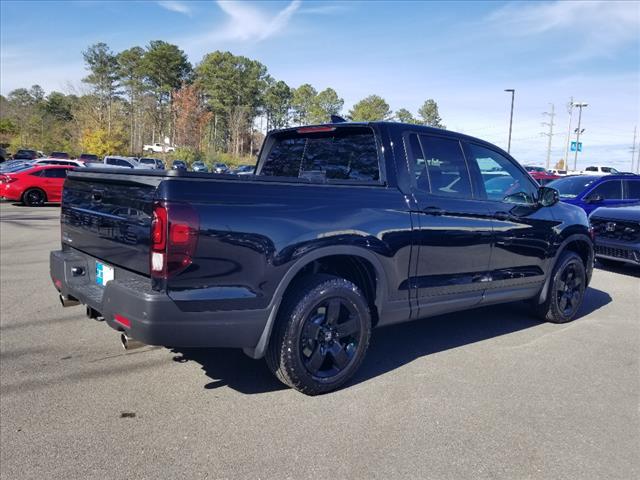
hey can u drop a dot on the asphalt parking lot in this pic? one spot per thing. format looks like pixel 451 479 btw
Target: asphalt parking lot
pixel 490 393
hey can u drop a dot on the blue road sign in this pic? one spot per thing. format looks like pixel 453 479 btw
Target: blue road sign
pixel 575 145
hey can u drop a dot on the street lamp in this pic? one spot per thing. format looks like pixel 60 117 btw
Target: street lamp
pixel 580 105
pixel 513 93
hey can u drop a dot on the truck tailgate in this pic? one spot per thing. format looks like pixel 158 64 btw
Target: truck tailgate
pixel 108 216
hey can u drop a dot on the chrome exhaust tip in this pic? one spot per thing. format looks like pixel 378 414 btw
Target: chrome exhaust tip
pixel 129 343
pixel 68 301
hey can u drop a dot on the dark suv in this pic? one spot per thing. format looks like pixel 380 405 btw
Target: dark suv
pixel 343 227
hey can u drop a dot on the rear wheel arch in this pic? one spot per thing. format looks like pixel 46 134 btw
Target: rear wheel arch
pixel 359 258
pixel 34 189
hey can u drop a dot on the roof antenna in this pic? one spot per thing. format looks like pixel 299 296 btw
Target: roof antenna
pixel 337 119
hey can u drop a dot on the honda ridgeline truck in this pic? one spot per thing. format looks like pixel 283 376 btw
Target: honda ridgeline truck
pixel 344 227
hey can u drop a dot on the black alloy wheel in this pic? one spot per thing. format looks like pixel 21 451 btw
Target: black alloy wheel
pixel 330 336
pixel 568 289
pixel 321 335
pixel 34 197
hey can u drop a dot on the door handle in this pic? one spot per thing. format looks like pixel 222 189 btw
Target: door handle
pixel 437 211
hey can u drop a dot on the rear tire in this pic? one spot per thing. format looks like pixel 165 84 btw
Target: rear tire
pixel 321 335
pixel 34 197
pixel 566 290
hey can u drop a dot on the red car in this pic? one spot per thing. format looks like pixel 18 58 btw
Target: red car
pixel 540 175
pixel 34 186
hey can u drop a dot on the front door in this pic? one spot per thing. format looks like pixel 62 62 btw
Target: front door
pixel 453 231
pixel 523 231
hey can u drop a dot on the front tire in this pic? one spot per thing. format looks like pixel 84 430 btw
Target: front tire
pixel 566 290
pixel 321 336
pixel 34 197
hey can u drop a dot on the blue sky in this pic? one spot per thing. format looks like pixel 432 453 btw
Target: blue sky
pixel 461 54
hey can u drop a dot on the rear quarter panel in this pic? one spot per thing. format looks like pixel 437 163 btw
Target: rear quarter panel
pixel 251 233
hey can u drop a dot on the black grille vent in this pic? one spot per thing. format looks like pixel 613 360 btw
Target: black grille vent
pixel 618 230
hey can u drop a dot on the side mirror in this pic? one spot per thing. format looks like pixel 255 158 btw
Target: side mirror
pixel 594 198
pixel 548 196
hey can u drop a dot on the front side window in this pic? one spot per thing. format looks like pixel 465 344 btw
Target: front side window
pixel 608 190
pixel 502 180
pixel 338 154
pixel 439 166
pixel 122 163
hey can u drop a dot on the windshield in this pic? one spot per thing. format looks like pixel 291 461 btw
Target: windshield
pixel 571 187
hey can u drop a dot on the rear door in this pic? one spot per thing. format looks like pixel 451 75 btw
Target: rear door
pixel 53 180
pixel 523 231
pixel 453 231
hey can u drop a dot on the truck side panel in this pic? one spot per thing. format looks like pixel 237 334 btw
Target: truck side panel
pixel 252 233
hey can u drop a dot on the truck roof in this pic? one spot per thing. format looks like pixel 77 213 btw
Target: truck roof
pixel 395 126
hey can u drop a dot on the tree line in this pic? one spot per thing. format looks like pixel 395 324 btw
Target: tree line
pixel 154 94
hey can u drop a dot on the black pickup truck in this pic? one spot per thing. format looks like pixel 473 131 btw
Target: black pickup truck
pixel 344 227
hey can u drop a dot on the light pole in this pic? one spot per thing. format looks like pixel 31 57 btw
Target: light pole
pixel 566 152
pixel 513 94
pixel 580 105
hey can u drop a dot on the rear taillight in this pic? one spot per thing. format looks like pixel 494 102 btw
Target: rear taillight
pixel 174 236
pixel 7 179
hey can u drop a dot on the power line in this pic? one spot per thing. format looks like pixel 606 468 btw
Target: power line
pixel 550 123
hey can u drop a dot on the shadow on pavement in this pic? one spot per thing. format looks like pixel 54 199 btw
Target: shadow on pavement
pixel 623 269
pixel 391 347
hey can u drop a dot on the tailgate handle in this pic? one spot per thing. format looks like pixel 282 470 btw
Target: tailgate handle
pixel 96 196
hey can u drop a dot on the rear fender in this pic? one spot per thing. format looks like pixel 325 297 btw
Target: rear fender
pixel 381 288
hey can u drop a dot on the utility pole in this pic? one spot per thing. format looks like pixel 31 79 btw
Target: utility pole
pixel 566 152
pixel 513 94
pixel 550 134
pixel 580 105
pixel 633 148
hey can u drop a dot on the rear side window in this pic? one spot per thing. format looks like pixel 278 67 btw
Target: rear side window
pixel 439 166
pixel 122 163
pixel 633 189
pixel 609 190
pixel 340 154
pixel 55 173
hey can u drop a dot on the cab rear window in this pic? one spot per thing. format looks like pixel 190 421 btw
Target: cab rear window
pixel 323 154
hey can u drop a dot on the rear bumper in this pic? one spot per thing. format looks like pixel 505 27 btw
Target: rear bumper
pixel 616 250
pixel 148 316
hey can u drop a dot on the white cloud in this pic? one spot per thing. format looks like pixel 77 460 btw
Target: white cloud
pixel 175 6
pixel 246 22
pixel 598 28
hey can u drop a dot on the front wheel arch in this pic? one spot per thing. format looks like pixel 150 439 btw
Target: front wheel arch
pixel 578 243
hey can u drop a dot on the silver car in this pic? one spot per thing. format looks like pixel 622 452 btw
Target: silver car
pixel 200 167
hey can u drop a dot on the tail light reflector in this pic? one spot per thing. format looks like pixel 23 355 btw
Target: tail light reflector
pixel 174 236
pixel 124 321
